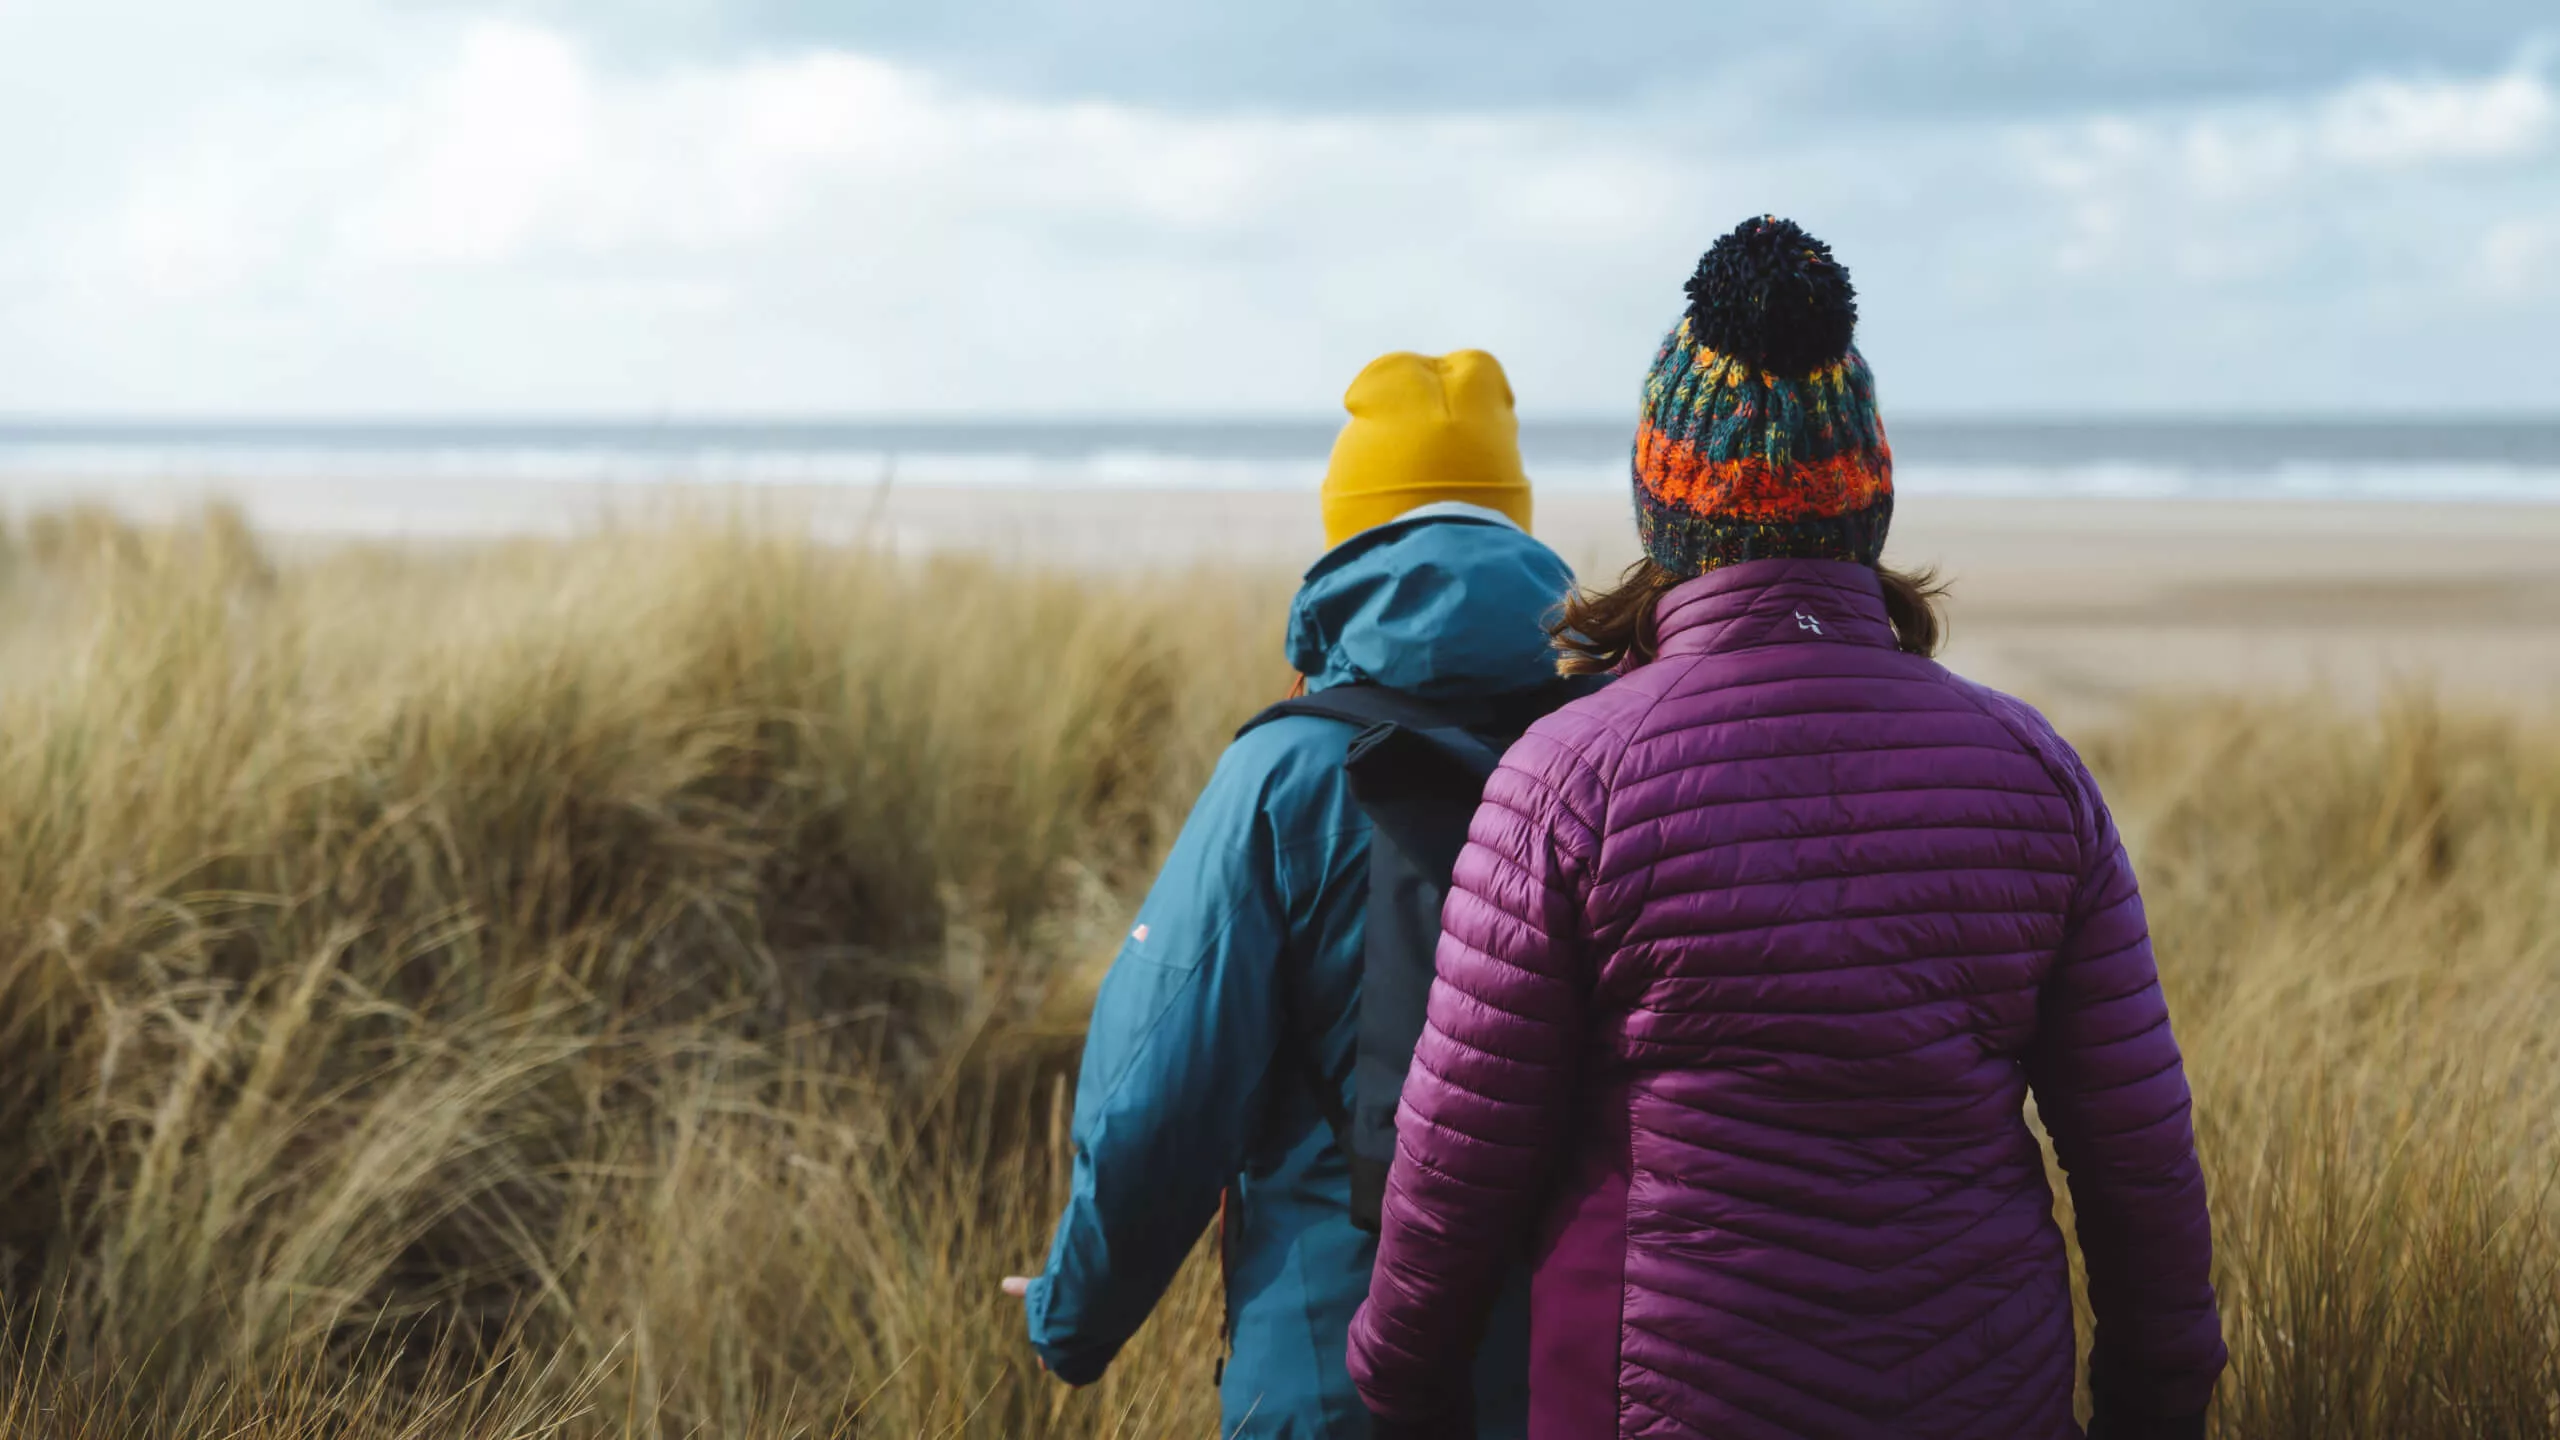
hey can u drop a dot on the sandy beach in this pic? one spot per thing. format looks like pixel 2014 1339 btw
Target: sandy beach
pixel 2075 602
pixel 2078 603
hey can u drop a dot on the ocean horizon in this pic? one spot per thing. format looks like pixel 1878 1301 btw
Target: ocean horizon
pixel 2513 459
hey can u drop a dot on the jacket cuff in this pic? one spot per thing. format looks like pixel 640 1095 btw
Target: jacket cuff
pixel 2112 1424
pixel 2166 1400
pixel 1074 1364
pixel 1458 1422
pixel 1433 1414
pixel 1442 1428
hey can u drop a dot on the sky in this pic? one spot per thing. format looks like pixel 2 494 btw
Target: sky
pixel 737 208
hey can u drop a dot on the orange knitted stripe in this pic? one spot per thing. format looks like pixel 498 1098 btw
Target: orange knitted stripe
pixel 1754 489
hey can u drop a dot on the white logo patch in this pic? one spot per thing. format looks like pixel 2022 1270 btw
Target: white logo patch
pixel 1807 622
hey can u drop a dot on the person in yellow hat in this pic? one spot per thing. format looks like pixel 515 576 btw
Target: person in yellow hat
pixel 1426 433
pixel 1247 1045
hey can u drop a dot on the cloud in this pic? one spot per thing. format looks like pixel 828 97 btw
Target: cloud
pixel 2414 122
pixel 509 223
pixel 2520 258
pixel 2379 123
pixel 1826 60
pixel 363 208
pixel 2244 191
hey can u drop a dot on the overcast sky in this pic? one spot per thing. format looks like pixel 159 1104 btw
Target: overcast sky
pixel 1156 207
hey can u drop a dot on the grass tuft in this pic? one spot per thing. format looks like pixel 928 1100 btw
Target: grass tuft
pixel 625 987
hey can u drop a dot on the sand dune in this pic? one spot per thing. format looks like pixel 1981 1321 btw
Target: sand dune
pixel 2077 602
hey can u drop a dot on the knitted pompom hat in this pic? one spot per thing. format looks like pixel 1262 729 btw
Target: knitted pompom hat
pixel 1759 438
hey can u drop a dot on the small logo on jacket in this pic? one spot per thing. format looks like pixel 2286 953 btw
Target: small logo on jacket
pixel 1139 934
pixel 1807 622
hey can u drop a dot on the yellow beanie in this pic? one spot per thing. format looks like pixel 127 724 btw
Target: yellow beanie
pixel 1424 430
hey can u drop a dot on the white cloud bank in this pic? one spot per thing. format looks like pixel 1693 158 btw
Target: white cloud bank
pixel 327 208
pixel 2278 163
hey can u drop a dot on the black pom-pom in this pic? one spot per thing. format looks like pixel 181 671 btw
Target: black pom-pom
pixel 1771 295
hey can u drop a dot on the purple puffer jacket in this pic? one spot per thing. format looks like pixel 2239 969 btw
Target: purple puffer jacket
pixel 1750 966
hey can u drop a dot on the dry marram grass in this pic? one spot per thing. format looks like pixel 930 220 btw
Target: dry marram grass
pixel 625 986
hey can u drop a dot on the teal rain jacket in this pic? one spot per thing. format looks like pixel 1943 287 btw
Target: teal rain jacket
pixel 1251 933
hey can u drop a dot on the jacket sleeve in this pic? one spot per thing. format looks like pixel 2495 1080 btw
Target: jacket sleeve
pixel 1183 1034
pixel 2112 1092
pixel 1485 1103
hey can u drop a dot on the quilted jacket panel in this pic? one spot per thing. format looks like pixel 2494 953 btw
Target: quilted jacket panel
pixel 1750 967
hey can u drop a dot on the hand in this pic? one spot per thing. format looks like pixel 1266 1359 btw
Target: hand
pixel 1019 1287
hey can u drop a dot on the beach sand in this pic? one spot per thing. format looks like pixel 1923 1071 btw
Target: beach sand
pixel 2075 603
pixel 2079 604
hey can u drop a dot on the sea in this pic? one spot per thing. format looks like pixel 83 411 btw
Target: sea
pixel 289 467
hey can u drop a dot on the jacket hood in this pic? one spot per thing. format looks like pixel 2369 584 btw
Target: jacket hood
pixel 1443 606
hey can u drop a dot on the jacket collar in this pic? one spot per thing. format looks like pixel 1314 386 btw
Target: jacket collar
pixel 1774 602
pixel 1442 606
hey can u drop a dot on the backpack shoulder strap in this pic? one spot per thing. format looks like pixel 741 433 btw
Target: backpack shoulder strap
pixel 1418 770
pixel 1375 712
pixel 1365 705
pixel 1360 706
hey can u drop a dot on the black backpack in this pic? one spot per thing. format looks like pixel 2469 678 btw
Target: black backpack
pixel 1417 769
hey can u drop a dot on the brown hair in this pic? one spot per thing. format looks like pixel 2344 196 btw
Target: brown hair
pixel 1599 630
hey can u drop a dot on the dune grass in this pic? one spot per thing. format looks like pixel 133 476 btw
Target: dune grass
pixel 626 987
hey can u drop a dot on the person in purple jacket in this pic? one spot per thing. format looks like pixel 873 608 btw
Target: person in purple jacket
pixel 1752 964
